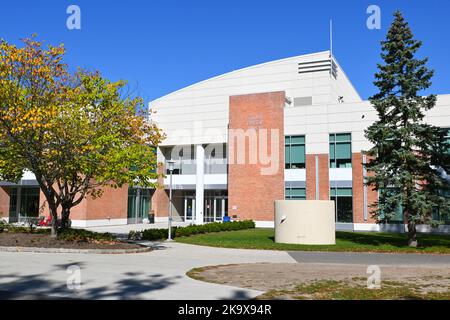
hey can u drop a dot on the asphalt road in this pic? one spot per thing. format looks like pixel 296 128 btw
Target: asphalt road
pixel 370 258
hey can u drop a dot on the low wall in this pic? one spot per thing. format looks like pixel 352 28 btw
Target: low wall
pixel 305 222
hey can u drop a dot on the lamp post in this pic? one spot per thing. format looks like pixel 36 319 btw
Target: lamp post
pixel 171 165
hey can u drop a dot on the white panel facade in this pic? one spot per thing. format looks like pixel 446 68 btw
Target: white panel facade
pixel 186 114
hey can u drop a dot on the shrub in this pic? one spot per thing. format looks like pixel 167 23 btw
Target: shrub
pixel 80 235
pixel 3 225
pixel 160 234
pixel 21 229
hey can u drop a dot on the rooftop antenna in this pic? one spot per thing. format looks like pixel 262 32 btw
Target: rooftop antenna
pixel 331 38
pixel 331 46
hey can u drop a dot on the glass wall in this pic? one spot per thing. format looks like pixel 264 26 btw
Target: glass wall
pixel 439 214
pixel 139 204
pixel 295 193
pixel 343 198
pixel 23 202
pixel 216 205
pixel 341 150
pixel 216 159
pixel 183 158
pixel 295 153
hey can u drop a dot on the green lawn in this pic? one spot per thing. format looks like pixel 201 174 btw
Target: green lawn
pixel 345 241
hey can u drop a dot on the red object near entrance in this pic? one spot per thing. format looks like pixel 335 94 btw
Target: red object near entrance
pixel 46 222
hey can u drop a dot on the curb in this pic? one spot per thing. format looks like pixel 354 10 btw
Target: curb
pixel 79 251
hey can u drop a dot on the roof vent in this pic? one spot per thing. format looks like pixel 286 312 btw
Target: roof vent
pixel 318 66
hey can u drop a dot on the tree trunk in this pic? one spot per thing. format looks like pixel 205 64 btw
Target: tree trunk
pixel 65 223
pixel 54 215
pixel 412 234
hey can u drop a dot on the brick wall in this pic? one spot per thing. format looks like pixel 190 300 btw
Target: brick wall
pixel 324 177
pixel 252 193
pixel 4 202
pixel 113 204
pixel 358 192
pixel 160 199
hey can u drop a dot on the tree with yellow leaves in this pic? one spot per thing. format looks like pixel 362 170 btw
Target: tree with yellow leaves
pixel 74 131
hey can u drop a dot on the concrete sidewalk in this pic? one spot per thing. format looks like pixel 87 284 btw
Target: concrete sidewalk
pixel 125 229
pixel 160 274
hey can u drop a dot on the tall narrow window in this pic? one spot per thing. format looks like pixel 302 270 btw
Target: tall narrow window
pixel 295 194
pixel 295 152
pixel 341 150
pixel 343 199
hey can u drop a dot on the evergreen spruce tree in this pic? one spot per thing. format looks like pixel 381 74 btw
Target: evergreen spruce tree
pixel 409 157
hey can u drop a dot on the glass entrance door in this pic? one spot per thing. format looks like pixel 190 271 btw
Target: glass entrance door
pixel 189 209
pixel 139 205
pixel 209 210
pixel 220 208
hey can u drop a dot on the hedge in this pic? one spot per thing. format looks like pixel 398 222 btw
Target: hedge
pixel 161 234
pixel 81 235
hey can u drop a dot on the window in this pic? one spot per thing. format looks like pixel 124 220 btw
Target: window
pixel 341 150
pixel 343 199
pixel 139 204
pixel 295 193
pixel 439 214
pixel 183 158
pixel 23 202
pixel 295 152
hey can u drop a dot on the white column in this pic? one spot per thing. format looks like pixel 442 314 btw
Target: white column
pixel 200 184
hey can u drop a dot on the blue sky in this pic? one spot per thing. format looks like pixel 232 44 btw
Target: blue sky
pixel 160 46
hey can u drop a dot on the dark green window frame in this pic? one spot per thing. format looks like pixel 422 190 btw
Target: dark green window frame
pixel 295 152
pixel 343 199
pixel 341 150
pixel 27 205
pixel 139 204
pixel 295 193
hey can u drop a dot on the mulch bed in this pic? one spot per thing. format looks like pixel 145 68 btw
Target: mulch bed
pixel 45 241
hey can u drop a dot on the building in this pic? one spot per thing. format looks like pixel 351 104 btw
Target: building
pixel 287 129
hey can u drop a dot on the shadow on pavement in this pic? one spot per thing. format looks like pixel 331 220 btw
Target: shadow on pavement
pixel 130 287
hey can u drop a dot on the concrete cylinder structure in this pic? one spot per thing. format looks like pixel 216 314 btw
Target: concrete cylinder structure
pixel 305 222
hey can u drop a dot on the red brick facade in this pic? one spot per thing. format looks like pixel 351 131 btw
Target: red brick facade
pixel 160 199
pixel 251 193
pixel 112 205
pixel 358 192
pixel 4 202
pixel 324 173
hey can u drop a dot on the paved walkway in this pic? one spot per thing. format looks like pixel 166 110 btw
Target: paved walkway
pixel 380 259
pixel 125 229
pixel 155 275
pixel 159 274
